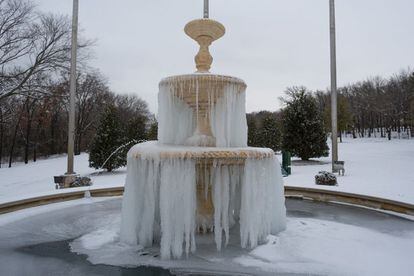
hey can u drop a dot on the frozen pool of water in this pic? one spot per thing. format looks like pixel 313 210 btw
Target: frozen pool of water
pixel 321 239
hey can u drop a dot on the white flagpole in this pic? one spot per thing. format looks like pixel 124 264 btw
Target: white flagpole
pixel 72 89
pixel 334 115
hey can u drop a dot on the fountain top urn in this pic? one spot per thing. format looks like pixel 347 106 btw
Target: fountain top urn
pixel 204 31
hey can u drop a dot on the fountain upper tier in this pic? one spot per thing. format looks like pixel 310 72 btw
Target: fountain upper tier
pixel 202 110
pixel 201 91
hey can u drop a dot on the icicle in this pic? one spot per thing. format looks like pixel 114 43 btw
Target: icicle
pixel 262 201
pixel 177 196
pixel 234 201
pixel 228 118
pixel 138 206
pixel 175 117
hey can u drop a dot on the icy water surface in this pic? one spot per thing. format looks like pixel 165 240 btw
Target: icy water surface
pixel 41 244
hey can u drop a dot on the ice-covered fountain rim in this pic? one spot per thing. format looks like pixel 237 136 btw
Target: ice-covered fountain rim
pixel 153 149
pixel 198 76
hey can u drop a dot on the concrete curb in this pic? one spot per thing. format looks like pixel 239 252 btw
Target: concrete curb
pixel 290 192
pixel 350 198
pixel 60 197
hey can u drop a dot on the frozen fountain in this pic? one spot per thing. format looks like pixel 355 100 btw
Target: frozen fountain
pixel 200 176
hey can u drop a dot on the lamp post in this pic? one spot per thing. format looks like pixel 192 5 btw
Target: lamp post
pixel 64 181
pixel 72 89
pixel 334 115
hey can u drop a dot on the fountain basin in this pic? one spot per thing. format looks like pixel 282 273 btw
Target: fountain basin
pixel 40 241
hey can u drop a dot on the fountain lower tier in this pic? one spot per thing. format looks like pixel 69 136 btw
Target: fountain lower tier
pixel 172 192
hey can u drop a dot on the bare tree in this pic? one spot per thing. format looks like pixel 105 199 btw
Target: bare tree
pixel 7 114
pixel 31 44
pixel 131 106
pixel 91 95
pixel 16 36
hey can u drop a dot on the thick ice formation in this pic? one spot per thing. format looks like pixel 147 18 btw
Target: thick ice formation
pixel 225 101
pixel 160 198
pixel 201 176
pixel 228 119
pixel 175 118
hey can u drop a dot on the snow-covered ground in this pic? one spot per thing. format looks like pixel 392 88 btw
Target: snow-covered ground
pixel 373 166
pixel 354 241
pixel 376 167
pixel 36 178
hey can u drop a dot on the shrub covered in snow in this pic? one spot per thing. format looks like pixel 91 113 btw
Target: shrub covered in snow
pixel 325 178
pixel 81 181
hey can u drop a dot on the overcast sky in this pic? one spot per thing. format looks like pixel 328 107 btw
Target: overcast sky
pixel 271 44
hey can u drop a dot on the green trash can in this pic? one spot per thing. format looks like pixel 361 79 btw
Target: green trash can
pixel 286 162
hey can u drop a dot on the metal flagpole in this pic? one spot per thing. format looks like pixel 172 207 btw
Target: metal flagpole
pixel 206 9
pixel 71 127
pixel 334 115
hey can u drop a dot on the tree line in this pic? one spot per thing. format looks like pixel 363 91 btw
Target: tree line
pixel 376 107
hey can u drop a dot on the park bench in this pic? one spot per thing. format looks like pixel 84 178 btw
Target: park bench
pixel 339 166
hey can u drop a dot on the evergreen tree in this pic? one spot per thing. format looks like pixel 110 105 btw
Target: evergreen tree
pixel 269 134
pixel 135 129
pixel 135 132
pixel 108 138
pixel 303 128
pixel 251 131
pixel 153 132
